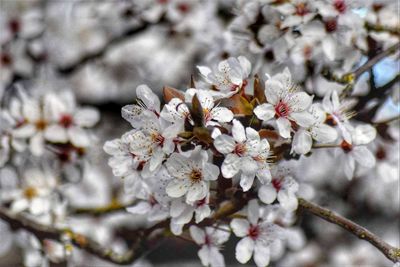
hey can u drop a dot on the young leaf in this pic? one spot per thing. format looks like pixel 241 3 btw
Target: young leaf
pixel 259 90
pixel 169 93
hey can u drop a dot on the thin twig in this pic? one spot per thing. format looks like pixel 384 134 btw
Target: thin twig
pixel 389 251
pixel 372 61
pixel 42 232
pixel 387 121
pixel 114 206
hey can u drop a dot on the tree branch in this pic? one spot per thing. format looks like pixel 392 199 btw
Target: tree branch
pixel 372 61
pixel 42 232
pixel 389 251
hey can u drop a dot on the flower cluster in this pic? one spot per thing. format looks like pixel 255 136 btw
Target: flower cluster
pixel 183 159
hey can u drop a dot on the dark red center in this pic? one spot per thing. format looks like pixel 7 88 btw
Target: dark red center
pixel 184 8
pixel 240 149
pixel 254 231
pixel 380 153
pixel 331 25
pixel 340 6
pixel 14 25
pixel 301 9
pixel 277 184
pixel 201 202
pixel 5 59
pixel 66 120
pixel 346 146
pixel 282 109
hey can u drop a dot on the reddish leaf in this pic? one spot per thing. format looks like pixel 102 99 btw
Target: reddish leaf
pixel 259 90
pixel 169 93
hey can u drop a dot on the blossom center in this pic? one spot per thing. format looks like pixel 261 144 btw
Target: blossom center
pixel 5 59
pixel 207 115
pixel 282 109
pixel 254 232
pixel 66 120
pixel 301 9
pixel 277 184
pixel 14 26
pixel 331 25
pixel 152 200
pixel 158 138
pixel 340 6
pixel 184 8
pixel 240 149
pixel 196 176
pixel 381 153
pixel 30 192
pixel 41 125
pixel 346 146
pixel 201 202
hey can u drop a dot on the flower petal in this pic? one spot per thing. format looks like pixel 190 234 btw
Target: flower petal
pixel 230 166
pixel 224 143
pixel 244 250
pixel 267 194
pixel 284 127
pixel 240 227
pixel 265 111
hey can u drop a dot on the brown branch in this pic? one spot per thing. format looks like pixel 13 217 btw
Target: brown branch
pixel 392 253
pixel 372 61
pixel 42 232
pixel 382 28
pixel 114 206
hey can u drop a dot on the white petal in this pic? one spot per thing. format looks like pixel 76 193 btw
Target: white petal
pixel 238 132
pixel 265 111
pixel 248 166
pixel 78 137
pixel 142 207
pixel 56 134
pixel 300 101
pixel 349 166
pixel 230 166
pixel 329 47
pixel 24 131
pixel 86 117
pixel 246 181
pixel 36 144
pixel 261 254
pixel 210 172
pixel 144 93
pixel 177 188
pixel 363 134
pixel 324 133
pixel 196 191
pixel 197 234
pixel 287 200
pixel 244 250
pixel 178 166
pixel 19 205
pixel 267 194
pixel 304 119
pixel 204 255
pixel 253 211
pixel 221 114
pixel 284 127
pixel 246 66
pixel 240 227
pixel 224 143
pixel 363 156
pixel 302 142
